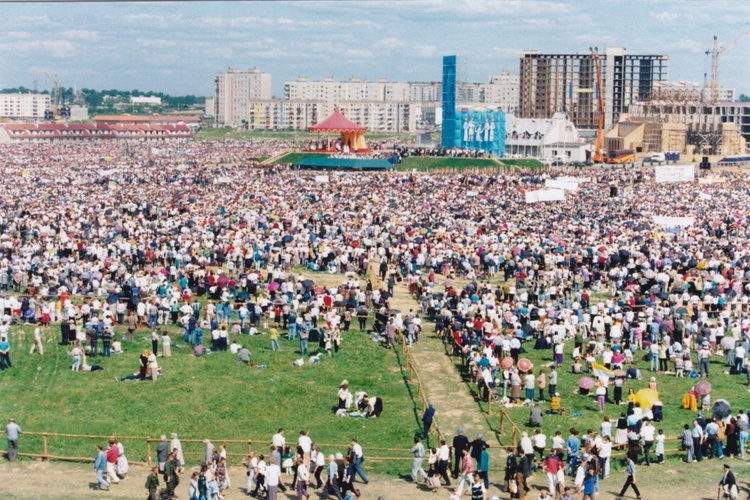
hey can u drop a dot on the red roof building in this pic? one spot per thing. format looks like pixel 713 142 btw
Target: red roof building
pixel 352 134
pixel 90 132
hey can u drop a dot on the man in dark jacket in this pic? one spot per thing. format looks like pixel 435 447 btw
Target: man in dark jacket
pixel 728 483
pixel 477 446
pixel 152 484
pixel 429 414
pixel 460 443
pixel 523 472
pixel 171 478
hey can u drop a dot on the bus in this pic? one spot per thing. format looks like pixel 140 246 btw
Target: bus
pixel 734 161
pixel 620 156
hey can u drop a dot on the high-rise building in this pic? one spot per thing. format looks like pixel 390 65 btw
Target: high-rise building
pixel 24 105
pixel 235 90
pixel 551 83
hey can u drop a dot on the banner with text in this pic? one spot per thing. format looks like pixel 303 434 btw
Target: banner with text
pixel 560 184
pixel 545 195
pixel 673 221
pixel 675 173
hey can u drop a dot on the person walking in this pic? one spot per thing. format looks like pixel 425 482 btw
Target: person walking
pixel 5 353
pixel 416 467
pixel 728 484
pixel 427 418
pixel 332 486
pixel 358 456
pixel 100 467
pixel 12 431
pixel 303 479
pixel 37 342
pixel 152 484
pixel 630 481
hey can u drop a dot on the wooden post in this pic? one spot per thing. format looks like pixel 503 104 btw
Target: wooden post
pixel 148 451
pixel 513 437
pixel 44 439
pixel 249 446
pixel 502 420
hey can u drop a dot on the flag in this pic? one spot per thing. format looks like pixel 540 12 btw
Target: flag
pixel 601 371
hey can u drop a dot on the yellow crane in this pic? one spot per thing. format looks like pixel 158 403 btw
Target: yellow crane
pixel 598 155
pixel 715 53
pixel 55 95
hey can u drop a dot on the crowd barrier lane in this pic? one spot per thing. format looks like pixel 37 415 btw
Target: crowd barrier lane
pixel 414 378
pixel 375 453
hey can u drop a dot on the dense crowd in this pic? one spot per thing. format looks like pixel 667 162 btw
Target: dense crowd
pixel 92 235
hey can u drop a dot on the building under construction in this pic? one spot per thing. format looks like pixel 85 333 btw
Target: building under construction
pixel 674 111
pixel 551 83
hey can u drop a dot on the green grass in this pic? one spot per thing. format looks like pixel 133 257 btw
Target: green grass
pixel 523 163
pixel 428 163
pixel 295 157
pixel 206 397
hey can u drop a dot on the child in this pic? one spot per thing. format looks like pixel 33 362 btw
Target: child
pixel 660 447
pixel 679 366
pixel 688 363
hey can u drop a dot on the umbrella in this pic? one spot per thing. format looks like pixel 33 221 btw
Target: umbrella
pixel 308 284
pixel 646 398
pixel 524 364
pixel 728 343
pixel 273 286
pixel 722 409
pixel 619 373
pixel 702 388
pixel 506 363
pixel 586 383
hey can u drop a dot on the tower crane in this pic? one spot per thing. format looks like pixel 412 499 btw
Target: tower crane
pixel 55 95
pixel 715 53
pixel 598 155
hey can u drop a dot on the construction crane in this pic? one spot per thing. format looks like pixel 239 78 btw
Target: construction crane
pixel 715 53
pixel 55 96
pixel 598 155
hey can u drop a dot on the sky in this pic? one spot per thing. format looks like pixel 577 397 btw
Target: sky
pixel 178 47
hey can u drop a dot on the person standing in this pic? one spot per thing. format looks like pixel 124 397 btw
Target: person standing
pixel 100 467
pixel 687 443
pixel 630 481
pixel 416 467
pixel 5 353
pixel 460 442
pixel 12 431
pixel 162 452
pixel 427 418
pixel 152 484
pixel 648 435
pixel 552 382
pixel 208 455
pixel 176 447
pixel 483 467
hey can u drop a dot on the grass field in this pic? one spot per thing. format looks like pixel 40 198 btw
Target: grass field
pixel 206 397
pixel 295 157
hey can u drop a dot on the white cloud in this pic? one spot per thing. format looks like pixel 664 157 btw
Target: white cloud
pixel 390 43
pixel 358 54
pixel 426 51
pixel 80 35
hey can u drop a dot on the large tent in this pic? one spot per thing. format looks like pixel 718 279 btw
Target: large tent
pixel 352 135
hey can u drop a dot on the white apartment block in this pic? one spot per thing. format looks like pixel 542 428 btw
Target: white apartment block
pixel 354 89
pixel 235 90
pixel 377 116
pixel 24 105
pixel 379 105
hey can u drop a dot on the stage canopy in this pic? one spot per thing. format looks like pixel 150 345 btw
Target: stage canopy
pixel 352 135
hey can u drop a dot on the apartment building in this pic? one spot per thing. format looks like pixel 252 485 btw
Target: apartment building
pixel 24 105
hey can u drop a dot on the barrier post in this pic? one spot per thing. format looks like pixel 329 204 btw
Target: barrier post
pixel 502 420
pixel 44 439
pixel 148 451
pixel 249 446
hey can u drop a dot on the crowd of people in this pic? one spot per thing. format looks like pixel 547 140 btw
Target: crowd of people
pixel 89 243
